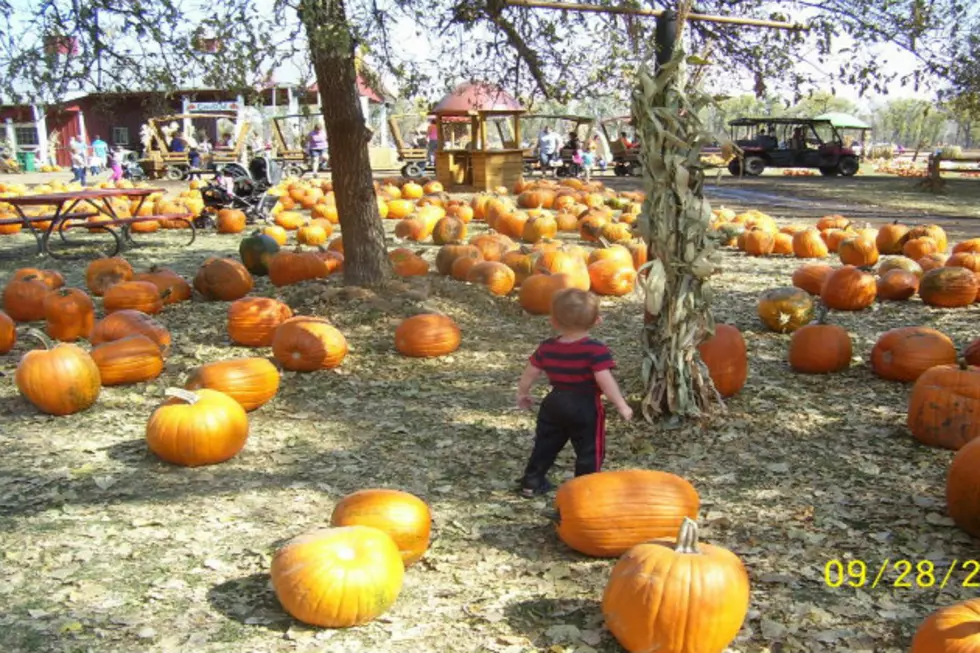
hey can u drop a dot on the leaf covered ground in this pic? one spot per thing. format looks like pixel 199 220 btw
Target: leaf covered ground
pixel 105 548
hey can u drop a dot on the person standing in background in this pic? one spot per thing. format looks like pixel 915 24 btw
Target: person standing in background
pixel 100 154
pixel 79 159
pixel 432 142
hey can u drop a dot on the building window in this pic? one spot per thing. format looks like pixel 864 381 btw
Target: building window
pixel 26 135
pixel 120 135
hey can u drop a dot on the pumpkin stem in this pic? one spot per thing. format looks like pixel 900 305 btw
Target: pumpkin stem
pixel 34 333
pixel 961 359
pixel 184 395
pixel 687 538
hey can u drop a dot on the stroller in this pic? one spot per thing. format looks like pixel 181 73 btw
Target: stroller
pixel 246 190
pixel 132 170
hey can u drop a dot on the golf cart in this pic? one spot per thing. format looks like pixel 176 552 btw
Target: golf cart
pixel 288 135
pixel 625 158
pixel 790 143
pixel 564 125
pixel 160 161
pixel 412 153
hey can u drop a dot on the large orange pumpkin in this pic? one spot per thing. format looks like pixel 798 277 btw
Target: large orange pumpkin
pixel 252 321
pixel 952 629
pixel 820 348
pixel 538 290
pixel 224 279
pixel 59 380
pixel 338 577
pixel 948 287
pixel 497 277
pixel 897 285
pixel 307 344
pixel 249 381
pixel 427 335
pixel 133 295
pixel 133 359
pixel 891 238
pixel 102 273
pixel 70 314
pixel 197 428
pixel 903 354
pixel 612 277
pixel 809 244
pixel 122 324
pixel 810 277
pixel 725 356
pixel 963 488
pixel 859 251
pixel 676 596
pixel 403 516
pixel 944 406
pixel 849 289
pixel 23 299
pixel 606 513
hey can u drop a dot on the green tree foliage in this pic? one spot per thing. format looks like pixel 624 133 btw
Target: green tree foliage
pixel 911 123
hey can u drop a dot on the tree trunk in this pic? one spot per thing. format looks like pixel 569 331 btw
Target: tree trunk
pixel 332 50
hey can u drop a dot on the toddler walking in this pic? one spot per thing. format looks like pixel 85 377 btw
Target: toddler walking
pixel 579 371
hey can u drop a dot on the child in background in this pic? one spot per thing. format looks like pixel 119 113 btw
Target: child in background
pixel 115 164
pixel 579 371
pixel 588 162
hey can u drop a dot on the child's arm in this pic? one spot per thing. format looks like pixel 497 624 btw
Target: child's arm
pixel 607 383
pixel 530 375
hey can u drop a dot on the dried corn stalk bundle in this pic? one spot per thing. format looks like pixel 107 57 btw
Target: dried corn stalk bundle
pixel 674 223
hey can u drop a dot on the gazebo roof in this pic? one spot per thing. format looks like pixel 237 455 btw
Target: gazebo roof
pixel 477 96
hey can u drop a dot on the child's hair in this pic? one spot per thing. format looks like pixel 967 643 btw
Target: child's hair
pixel 572 308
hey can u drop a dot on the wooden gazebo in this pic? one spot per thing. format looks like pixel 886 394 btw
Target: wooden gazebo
pixel 469 155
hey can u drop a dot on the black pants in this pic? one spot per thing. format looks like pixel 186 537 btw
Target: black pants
pixel 566 415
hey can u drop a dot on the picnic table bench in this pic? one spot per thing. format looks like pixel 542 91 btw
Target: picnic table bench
pixel 71 208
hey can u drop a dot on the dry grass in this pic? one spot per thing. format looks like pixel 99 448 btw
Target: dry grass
pixel 105 548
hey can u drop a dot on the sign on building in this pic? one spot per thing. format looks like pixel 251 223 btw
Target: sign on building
pixel 204 107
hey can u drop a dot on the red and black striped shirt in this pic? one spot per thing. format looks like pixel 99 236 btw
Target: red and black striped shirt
pixel 572 365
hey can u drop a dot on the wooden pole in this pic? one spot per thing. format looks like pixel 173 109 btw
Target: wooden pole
pixel 653 13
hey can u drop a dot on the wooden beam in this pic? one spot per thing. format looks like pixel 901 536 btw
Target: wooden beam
pixel 652 13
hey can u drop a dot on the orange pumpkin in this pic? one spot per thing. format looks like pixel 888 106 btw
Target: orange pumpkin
pixel 757 242
pixel 849 289
pixel 311 234
pixel 891 238
pixel 962 488
pixel 70 314
pixel 606 513
pixel 8 333
pixel 968 260
pixel 122 324
pixel 725 356
pixel 948 287
pixel 191 429
pixel 952 629
pixel 918 247
pixel 809 244
pixel 252 321
pixel 496 276
pixel 899 263
pixel 102 273
pixel 972 245
pixel 406 263
pixel 933 231
pixel 897 285
pixel 820 348
pixel 612 277
pixel 538 290
pixel 427 335
pixel 859 251
pixel 338 577
pixel 224 279
pixel 231 221
pixel 944 405
pixel 59 380
pixel 811 276
pixel 676 595
pixel 250 381
pixel 50 278
pixel 403 516
pixel 448 254
pixel 931 262
pixel 136 295
pixel 448 230
pixel 23 299
pixel 903 354
pixel 133 359
pixel 307 344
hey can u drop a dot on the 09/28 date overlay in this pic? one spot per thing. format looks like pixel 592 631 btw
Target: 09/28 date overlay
pixel 901 573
